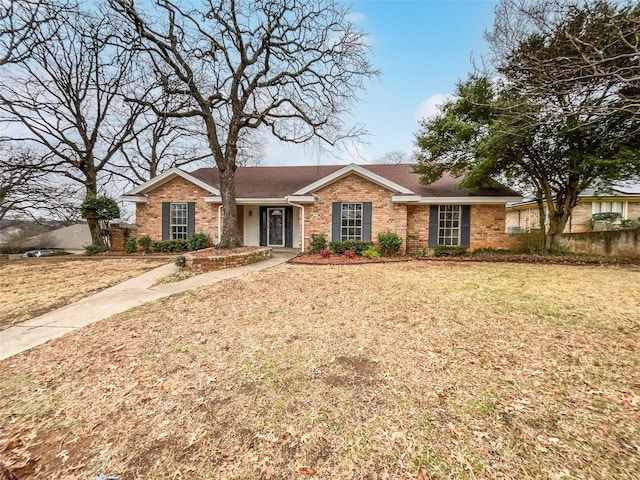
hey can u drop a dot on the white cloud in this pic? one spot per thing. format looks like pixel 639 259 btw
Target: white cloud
pixel 429 107
pixel 357 17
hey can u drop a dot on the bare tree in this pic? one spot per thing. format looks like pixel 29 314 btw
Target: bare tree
pixel 20 22
pixel 28 191
pixel 292 67
pixel 66 98
pixel 394 157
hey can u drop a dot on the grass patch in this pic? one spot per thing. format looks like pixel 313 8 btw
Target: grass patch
pixel 177 276
pixel 432 369
pixel 32 287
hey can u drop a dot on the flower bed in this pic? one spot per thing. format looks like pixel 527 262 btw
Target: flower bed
pixel 211 259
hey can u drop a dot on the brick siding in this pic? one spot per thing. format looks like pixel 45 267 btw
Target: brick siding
pixel 488 226
pixel 149 215
pixel 385 215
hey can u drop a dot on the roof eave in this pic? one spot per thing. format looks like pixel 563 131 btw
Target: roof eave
pixel 348 169
pixel 167 176
pixel 134 198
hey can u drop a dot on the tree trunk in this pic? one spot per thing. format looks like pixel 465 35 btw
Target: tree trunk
pixel 230 236
pixel 557 222
pixel 91 187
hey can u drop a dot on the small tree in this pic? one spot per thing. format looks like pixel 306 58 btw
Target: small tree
pixel 101 210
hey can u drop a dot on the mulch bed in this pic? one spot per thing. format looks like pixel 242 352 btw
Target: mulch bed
pixel 316 259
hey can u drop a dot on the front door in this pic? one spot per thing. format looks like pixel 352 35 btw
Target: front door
pixel 275 227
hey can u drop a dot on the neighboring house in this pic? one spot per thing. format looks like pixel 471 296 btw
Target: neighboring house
pixel 623 199
pixel 73 237
pixel 283 206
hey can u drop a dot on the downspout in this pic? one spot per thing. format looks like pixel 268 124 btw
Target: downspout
pixel 219 222
pixel 301 207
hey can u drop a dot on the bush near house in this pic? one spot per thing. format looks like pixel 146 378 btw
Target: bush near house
pixel 198 241
pixel 389 243
pixel 131 245
pixel 358 246
pixel 445 251
pixel 317 243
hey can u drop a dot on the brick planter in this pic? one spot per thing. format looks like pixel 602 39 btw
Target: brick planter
pixel 220 262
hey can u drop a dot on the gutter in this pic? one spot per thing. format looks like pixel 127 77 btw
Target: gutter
pixel 219 222
pixel 302 229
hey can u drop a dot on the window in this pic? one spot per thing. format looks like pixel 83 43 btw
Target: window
pixel 608 207
pixel 449 225
pixel 351 221
pixel 179 224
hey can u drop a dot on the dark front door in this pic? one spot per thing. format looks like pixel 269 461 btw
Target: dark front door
pixel 275 227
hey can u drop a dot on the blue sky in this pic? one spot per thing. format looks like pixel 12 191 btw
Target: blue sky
pixel 423 47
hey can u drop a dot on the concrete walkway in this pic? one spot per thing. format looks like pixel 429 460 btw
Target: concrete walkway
pixel 113 300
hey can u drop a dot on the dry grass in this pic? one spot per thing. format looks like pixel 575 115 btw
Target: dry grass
pixel 418 370
pixel 31 287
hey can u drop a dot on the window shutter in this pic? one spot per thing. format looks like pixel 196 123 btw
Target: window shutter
pixel 336 221
pixel 366 220
pixel 433 226
pixel 288 227
pixel 263 226
pixel 465 226
pixel 191 218
pixel 166 219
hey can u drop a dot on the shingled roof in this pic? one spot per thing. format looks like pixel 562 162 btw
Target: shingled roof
pixel 279 182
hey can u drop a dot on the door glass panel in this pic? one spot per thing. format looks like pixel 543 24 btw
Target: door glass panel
pixel 276 227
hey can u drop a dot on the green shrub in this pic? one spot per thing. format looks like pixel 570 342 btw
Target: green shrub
pixel 198 241
pixel 180 261
pixel 530 242
pixel 446 251
pixel 131 245
pixel 389 242
pixel 169 246
pixel 370 253
pixel 357 246
pixel 145 243
pixel 94 249
pixel 317 242
pixel 629 223
pixel 605 217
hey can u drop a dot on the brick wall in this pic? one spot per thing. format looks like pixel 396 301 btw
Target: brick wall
pixel 488 226
pixel 385 215
pixel 149 215
pixel 118 236
pixel 417 229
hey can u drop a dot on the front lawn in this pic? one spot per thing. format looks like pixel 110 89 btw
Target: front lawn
pixel 33 286
pixel 410 370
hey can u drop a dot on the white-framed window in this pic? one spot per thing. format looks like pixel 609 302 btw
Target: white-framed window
pixel 178 221
pixel 449 217
pixel 351 221
pixel 608 207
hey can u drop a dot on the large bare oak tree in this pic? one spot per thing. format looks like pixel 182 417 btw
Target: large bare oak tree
pixel 292 67
pixel 66 98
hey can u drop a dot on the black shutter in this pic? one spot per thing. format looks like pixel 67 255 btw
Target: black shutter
pixel 191 218
pixel 288 227
pixel 465 226
pixel 263 226
pixel 433 226
pixel 166 219
pixel 366 220
pixel 336 221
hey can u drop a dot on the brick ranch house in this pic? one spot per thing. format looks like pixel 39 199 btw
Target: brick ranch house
pixel 623 199
pixel 284 206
